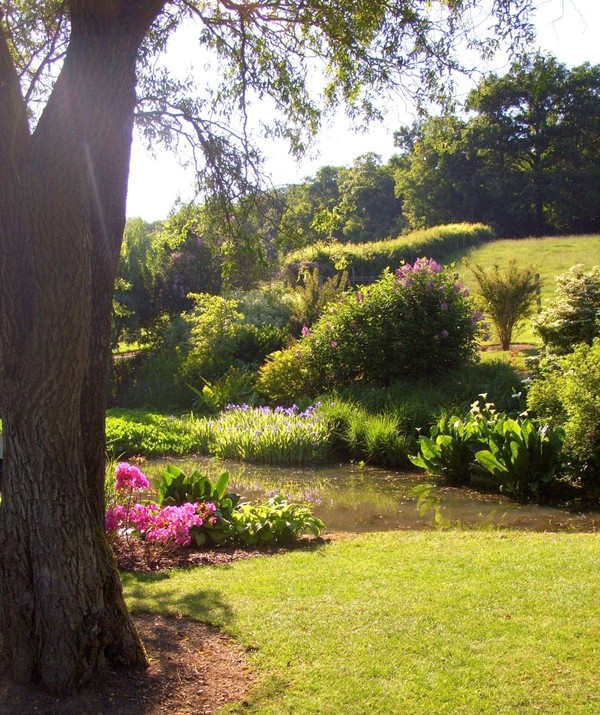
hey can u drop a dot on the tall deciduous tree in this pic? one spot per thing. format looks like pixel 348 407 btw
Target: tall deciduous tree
pixel 68 73
pixel 524 159
pixel 537 134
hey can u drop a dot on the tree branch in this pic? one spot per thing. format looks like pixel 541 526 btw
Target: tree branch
pixel 50 57
pixel 14 129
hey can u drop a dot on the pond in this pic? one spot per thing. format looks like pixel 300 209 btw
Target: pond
pixel 356 498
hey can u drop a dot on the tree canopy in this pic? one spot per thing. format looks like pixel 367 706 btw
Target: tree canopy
pixel 300 59
pixel 524 158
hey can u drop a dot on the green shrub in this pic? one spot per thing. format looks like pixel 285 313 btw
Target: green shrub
pixel 574 315
pixel 418 320
pixel 508 295
pixel 419 401
pixel 153 377
pixel 268 305
pixel 569 396
pixel 174 487
pixel 311 295
pixel 518 455
pixel 449 449
pixel 287 376
pixel 216 323
pixel 132 432
pixel 235 386
pixel 254 343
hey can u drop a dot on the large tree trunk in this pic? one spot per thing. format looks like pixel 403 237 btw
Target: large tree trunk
pixel 62 212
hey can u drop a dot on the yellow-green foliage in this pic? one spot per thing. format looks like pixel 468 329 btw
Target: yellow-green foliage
pixel 370 259
pixel 286 376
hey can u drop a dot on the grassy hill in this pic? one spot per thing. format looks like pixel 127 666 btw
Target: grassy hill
pixel 550 257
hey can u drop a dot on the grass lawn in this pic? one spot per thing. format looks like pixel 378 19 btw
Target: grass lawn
pixel 407 623
pixel 549 256
pixel 513 358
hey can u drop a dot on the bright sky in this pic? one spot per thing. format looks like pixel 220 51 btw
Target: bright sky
pixel 566 28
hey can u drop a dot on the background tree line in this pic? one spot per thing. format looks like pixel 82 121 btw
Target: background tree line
pixel 522 157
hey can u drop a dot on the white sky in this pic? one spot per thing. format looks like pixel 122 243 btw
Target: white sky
pixel 569 29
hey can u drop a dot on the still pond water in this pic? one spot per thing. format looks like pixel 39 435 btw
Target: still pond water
pixel 356 498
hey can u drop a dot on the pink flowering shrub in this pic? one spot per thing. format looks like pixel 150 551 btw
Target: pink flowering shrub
pixel 418 320
pixel 273 521
pixel 128 476
pixel 167 524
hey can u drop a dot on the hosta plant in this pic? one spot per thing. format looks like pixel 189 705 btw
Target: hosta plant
pixel 273 522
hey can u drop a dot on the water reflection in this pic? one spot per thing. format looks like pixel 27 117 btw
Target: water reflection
pixel 356 498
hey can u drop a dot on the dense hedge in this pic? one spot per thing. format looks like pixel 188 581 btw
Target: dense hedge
pixel 366 261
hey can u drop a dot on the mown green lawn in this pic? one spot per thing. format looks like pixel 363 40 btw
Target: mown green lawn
pixel 407 623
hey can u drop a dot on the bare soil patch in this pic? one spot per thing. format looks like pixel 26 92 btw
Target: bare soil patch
pixel 194 670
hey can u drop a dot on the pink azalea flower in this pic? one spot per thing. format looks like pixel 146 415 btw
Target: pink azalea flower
pixel 128 476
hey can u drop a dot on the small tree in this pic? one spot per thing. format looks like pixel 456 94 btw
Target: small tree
pixel 508 294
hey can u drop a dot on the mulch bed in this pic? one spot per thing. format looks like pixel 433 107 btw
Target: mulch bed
pixel 194 668
pixel 141 556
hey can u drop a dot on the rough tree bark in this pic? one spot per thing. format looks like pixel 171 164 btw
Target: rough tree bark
pixel 62 213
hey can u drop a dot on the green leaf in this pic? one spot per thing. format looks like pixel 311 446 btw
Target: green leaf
pixel 490 463
pixel 221 485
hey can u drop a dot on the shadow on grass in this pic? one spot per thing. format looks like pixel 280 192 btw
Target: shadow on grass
pixel 151 593
pixel 206 605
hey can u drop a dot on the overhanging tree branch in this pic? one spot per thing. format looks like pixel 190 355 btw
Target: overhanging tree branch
pixel 14 129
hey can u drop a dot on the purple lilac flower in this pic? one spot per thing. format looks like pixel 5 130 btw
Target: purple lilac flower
pixel 305 332
pixel 444 305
